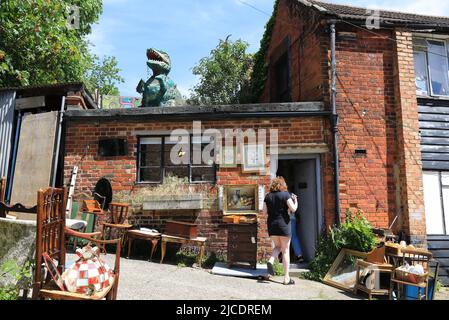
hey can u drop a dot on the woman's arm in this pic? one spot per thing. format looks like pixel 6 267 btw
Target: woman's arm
pixel 265 209
pixel 293 204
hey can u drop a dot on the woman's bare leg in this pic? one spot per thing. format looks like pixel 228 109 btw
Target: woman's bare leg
pixel 285 249
pixel 276 250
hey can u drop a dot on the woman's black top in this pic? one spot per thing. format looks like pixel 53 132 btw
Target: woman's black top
pixel 278 217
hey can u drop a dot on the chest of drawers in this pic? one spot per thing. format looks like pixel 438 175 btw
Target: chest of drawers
pixel 242 244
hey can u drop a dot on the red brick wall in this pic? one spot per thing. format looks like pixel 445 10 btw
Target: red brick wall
pixel 308 70
pixel 366 106
pixel 81 149
pixel 378 112
pixel 412 218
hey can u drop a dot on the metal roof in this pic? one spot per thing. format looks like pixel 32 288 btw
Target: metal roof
pixel 53 89
pixel 393 18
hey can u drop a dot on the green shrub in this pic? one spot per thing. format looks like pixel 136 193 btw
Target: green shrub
pixel 278 270
pixel 21 277
pixel 355 233
pixel 187 256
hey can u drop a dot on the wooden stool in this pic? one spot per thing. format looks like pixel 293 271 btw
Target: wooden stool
pixel 141 235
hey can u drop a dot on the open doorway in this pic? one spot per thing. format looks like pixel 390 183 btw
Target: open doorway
pixel 303 178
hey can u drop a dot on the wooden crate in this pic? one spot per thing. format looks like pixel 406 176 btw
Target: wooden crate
pixel 181 229
pixel 411 277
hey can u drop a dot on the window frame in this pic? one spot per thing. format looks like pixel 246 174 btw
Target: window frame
pixel 430 92
pixel 162 167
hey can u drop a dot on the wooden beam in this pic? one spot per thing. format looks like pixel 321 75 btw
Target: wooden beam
pixel 30 103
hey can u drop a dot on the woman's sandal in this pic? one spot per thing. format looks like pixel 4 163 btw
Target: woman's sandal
pixel 291 282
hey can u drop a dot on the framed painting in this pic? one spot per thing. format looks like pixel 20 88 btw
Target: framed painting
pixel 241 199
pixel 228 157
pixel 253 158
pixel 343 273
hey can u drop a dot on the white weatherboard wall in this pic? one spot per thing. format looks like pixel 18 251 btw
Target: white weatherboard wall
pixel 6 124
pixel 436 198
pixel 34 157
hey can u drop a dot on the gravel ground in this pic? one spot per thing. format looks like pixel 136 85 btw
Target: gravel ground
pixel 143 280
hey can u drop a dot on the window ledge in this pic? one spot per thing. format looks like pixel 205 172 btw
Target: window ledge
pixel 174 202
pixel 433 97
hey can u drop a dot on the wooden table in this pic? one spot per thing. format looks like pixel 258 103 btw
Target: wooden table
pixel 141 235
pixel 198 241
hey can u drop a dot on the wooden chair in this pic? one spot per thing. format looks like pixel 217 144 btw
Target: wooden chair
pixel 51 234
pixel 118 214
pixel 413 257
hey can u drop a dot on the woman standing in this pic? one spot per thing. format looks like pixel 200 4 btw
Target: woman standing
pixel 278 205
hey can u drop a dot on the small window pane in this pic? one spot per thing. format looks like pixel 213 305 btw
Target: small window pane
pixel 203 151
pixel 150 155
pixel 438 68
pixel 178 171
pixel 176 154
pixel 151 141
pixel 152 174
pixel 421 77
pixel 203 174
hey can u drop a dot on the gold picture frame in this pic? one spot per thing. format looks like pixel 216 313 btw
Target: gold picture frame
pixel 241 199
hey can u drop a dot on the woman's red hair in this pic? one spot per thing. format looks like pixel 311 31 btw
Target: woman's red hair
pixel 278 184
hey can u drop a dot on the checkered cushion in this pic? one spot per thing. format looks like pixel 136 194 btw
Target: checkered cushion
pixel 86 275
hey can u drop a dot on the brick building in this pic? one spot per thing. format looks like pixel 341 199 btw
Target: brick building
pixel 388 88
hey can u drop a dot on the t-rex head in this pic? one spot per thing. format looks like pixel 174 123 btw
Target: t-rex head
pixel 158 61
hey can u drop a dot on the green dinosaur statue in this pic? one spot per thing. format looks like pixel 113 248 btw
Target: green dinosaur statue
pixel 159 90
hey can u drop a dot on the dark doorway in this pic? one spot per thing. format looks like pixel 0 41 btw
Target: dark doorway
pixel 302 177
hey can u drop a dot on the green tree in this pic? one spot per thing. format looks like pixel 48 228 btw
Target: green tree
pixel 103 75
pixel 224 75
pixel 38 46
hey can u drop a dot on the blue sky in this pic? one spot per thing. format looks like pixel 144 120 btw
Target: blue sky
pixel 189 29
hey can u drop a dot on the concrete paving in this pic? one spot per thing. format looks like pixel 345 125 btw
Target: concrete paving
pixel 143 280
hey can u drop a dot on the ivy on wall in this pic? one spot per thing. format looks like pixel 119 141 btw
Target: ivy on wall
pixel 260 68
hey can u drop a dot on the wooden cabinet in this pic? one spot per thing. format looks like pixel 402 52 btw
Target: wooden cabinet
pixel 242 244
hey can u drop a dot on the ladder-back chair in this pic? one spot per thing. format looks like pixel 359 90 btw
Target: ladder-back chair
pixel 51 235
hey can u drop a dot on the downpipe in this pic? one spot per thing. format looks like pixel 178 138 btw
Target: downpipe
pixel 334 121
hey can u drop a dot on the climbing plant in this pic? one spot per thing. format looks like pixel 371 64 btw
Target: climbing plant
pixel 260 69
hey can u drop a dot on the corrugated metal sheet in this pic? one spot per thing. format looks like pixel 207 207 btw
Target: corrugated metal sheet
pixel 434 127
pixel 7 99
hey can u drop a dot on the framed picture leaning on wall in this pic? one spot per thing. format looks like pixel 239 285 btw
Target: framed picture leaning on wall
pixel 241 199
